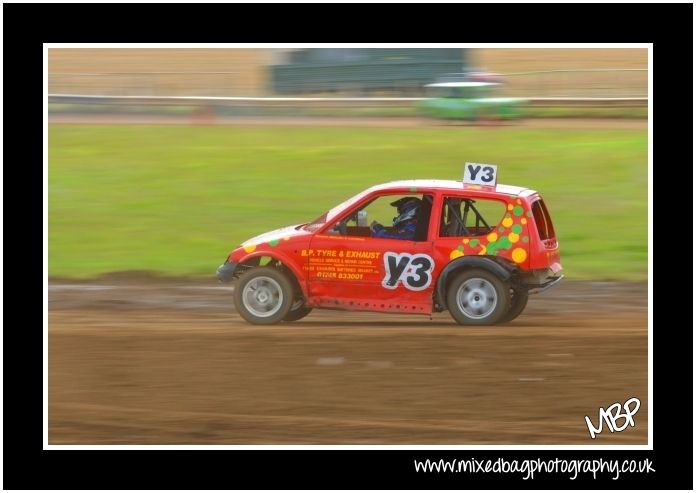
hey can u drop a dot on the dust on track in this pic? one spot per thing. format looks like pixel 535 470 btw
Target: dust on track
pixel 155 361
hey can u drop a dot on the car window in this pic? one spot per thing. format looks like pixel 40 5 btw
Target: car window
pixel 470 217
pixel 401 216
pixel 333 212
pixel 542 220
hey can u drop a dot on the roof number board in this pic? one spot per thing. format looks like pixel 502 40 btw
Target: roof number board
pixel 480 174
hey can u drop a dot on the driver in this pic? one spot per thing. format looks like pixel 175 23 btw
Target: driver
pixel 404 224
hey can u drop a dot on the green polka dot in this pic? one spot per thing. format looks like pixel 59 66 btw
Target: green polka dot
pixel 525 239
pixel 517 228
pixel 518 210
pixel 491 249
pixel 501 230
pixel 504 243
pixel 460 248
pixel 529 213
pixel 474 242
pixel 274 242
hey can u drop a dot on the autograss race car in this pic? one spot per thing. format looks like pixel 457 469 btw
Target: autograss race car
pixel 471 247
pixel 471 97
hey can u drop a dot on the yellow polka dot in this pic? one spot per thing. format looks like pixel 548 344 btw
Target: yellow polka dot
pixel 519 201
pixel 509 207
pixel 483 250
pixel 286 238
pixel 519 255
pixel 492 237
pixel 507 222
pixel 465 241
pixel 249 248
pixel 523 220
pixel 455 254
pixel 513 237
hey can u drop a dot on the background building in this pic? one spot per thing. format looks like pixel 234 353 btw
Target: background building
pixel 364 71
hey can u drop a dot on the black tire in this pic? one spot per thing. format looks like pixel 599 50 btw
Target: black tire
pixel 268 301
pixel 518 304
pixel 297 313
pixel 477 297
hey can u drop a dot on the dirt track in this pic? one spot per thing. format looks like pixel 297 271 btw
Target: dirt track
pixel 153 362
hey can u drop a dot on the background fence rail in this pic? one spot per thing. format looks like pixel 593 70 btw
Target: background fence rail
pixel 571 83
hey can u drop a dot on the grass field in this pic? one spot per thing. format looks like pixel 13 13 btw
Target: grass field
pixel 177 199
pixel 412 111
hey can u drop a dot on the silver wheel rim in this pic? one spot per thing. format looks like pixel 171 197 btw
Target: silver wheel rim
pixel 477 298
pixel 262 297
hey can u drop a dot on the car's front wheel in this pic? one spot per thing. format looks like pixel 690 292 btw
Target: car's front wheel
pixel 477 297
pixel 263 295
pixel 297 311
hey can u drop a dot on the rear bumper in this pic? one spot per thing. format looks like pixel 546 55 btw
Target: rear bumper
pixel 541 287
pixel 225 273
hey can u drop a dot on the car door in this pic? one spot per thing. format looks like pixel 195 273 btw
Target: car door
pixel 351 269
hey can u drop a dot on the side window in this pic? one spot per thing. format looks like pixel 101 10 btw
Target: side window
pixel 404 217
pixel 543 220
pixel 470 217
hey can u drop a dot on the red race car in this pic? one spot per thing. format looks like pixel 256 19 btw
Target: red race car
pixel 471 247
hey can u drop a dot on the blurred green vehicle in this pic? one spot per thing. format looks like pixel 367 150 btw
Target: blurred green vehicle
pixel 471 99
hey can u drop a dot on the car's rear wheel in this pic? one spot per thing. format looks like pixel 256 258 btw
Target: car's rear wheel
pixel 519 300
pixel 477 297
pixel 263 295
pixel 297 311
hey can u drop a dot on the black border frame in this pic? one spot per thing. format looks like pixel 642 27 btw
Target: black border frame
pixel 27 26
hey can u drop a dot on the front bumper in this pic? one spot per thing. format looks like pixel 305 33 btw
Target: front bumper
pixel 541 287
pixel 225 273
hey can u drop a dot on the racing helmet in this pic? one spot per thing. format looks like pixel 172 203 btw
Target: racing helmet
pixel 408 208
